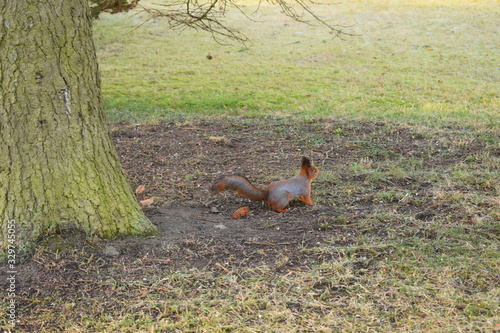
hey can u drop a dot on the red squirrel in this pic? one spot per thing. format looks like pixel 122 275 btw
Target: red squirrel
pixel 278 193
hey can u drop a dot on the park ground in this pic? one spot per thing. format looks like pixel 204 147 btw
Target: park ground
pixel 402 121
pixel 404 235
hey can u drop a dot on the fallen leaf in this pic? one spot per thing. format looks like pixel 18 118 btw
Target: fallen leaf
pixel 241 212
pixel 140 189
pixel 146 202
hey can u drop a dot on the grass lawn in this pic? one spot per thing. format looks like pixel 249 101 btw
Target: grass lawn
pixel 409 61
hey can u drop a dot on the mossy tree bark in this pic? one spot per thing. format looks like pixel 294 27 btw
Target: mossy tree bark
pixel 58 167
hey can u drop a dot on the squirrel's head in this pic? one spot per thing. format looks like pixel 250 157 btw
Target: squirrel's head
pixel 310 169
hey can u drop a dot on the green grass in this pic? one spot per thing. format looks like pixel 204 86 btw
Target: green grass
pixel 435 280
pixel 411 61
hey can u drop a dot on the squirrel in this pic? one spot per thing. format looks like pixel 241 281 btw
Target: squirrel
pixel 278 193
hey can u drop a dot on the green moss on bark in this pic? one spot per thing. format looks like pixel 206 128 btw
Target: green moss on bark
pixel 60 169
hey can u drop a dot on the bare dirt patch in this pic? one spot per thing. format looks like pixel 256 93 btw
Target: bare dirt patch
pixel 377 180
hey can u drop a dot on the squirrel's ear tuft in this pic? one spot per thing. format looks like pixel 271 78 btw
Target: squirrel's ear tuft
pixel 306 162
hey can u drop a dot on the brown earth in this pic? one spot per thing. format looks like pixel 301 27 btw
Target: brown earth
pixel 177 163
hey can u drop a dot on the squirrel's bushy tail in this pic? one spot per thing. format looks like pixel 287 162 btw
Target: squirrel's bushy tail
pixel 242 186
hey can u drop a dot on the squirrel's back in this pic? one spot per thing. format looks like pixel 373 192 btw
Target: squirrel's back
pixel 295 186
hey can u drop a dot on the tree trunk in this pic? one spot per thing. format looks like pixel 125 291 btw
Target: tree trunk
pixel 58 167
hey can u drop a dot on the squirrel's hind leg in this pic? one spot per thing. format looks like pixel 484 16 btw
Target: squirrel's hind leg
pixel 306 199
pixel 279 204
